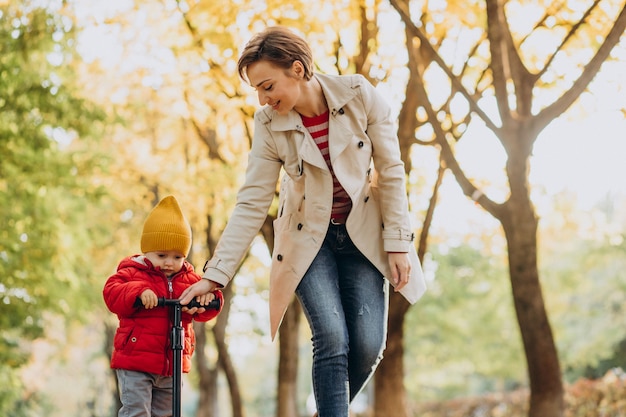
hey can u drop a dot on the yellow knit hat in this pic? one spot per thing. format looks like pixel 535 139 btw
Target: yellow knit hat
pixel 166 229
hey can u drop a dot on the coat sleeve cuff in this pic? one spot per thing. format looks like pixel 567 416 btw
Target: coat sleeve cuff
pixel 213 273
pixel 397 241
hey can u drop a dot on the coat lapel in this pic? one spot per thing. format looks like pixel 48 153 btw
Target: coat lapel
pixel 310 153
pixel 291 124
pixel 337 92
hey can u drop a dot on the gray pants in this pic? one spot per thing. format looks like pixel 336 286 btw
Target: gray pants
pixel 144 395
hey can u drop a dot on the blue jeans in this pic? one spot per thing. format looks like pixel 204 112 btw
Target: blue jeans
pixel 344 298
pixel 144 395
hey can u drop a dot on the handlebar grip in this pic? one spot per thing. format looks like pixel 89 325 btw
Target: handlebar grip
pixel 165 302
pixel 213 305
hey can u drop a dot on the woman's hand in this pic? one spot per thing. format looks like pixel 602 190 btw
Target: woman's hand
pixel 203 293
pixel 400 265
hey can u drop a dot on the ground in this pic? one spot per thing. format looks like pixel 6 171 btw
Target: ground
pixel 605 397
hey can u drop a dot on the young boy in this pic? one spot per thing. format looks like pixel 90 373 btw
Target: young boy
pixel 142 355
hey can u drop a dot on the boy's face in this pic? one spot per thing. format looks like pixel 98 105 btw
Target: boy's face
pixel 169 262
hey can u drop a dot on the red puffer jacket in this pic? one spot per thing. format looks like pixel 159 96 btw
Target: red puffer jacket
pixel 142 340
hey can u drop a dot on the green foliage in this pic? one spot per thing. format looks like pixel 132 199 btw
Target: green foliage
pixel 10 385
pixel 586 287
pixel 44 177
pixel 462 336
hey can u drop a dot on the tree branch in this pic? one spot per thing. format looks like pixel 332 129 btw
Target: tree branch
pixel 425 43
pixel 499 59
pixel 554 110
pixel 569 35
pixel 207 135
pixel 447 154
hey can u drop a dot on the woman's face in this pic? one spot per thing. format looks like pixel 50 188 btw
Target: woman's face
pixel 275 86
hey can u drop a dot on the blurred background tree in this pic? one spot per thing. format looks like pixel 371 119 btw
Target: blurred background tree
pixel 505 95
pixel 48 133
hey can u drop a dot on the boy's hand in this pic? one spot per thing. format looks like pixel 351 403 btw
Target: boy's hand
pixel 149 299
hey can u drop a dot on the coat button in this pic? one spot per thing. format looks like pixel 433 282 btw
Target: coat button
pixel 361 144
pixel 279 257
pixel 133 339
pixel 366 198
pixel 341 111
pixel 299 226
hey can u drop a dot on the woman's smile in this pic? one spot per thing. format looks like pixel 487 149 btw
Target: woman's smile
pixel 275 105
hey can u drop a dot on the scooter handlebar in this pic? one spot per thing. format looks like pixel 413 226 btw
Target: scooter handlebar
pixel 213 304
pixel 166 302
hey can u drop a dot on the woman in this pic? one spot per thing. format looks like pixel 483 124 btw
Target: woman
pixel 342 226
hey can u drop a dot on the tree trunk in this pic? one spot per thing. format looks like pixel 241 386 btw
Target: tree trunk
pixel 109 335
pixel 546 387
pixel 207 386
pixel 390 399
pixel 288 365
pixel 207 376
pixel 288 339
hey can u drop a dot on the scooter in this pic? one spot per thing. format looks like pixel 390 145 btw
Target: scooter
pixel 177 338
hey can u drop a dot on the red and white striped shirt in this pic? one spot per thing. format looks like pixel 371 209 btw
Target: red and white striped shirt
pixel 318 128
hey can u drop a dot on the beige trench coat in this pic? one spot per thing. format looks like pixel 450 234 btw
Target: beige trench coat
pixel 360 131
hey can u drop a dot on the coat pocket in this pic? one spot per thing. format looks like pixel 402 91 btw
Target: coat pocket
pixel 283 239
pixel 126 338
pixel 291 196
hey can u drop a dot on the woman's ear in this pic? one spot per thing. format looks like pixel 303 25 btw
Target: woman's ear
pixel 298 69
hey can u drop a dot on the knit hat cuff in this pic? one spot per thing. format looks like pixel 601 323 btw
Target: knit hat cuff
pixel 165 241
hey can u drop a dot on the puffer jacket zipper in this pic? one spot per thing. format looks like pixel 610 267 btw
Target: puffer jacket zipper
pixel 168 351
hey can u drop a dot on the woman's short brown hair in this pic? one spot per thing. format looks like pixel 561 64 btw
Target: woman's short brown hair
pixel 279 46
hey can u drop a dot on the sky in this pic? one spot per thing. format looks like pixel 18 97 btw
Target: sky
pixel 585 156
